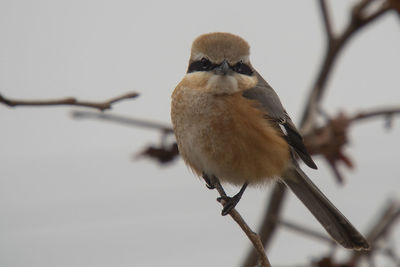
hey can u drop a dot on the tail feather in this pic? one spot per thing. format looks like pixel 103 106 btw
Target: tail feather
pixel 324 211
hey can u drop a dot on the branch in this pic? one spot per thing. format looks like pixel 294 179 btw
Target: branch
pixel 307 231
pixel 327 21
pixel 335 46
pixel 330 139
pixel 123 120
pixel 384 112
pixel 163 153
pixel 254 238
pixel 378 231
pixel 268 225
pixel 70 101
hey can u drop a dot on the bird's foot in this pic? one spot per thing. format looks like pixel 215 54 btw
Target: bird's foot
pixel 229 203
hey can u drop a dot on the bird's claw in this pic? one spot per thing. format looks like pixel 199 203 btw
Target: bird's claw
pixel 229 203
pixel 209 185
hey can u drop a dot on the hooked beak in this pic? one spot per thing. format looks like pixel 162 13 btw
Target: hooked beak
pixel 222 69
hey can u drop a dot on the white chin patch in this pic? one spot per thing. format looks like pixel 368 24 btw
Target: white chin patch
pixel 222 84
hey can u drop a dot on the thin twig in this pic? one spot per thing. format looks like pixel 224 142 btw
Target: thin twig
pixel 122 120
pixel 306 231
pixel 71 101
pixel 268 225
pixel 363 4
pixel 336 172
pixel 254 238
pixel 164 153
pixel 384 8
pixel 381 228
pixel 391 254
pixel 386 112
pixel 327 21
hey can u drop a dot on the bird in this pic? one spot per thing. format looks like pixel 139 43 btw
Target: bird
pixel 231 127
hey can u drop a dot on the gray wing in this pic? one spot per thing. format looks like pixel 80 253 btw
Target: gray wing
pixel 274 110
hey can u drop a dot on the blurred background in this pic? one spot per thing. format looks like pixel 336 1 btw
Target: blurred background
pixel 72 192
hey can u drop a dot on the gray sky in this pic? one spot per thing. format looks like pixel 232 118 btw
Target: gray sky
pixel 71 194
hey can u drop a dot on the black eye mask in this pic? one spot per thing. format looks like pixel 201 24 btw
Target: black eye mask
pixel 206 65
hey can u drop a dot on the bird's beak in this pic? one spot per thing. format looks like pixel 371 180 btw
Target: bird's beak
pixel 222 69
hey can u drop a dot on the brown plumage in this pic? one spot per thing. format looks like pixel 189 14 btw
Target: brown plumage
pixel 228 137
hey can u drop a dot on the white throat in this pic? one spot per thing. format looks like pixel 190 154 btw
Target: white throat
pixel 219 84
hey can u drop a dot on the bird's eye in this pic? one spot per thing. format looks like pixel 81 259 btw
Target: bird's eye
pixel 200 65
pixel 205 63
pixel 242 68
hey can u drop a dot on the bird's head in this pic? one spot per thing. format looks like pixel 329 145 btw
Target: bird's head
pixel 220 63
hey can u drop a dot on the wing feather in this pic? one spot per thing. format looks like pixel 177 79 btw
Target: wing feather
pixel 272 106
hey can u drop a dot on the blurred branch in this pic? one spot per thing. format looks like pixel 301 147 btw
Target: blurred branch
pixel 388 113
pixel 164 153
pixel 330 139
pixel 71 101
pixel 378 231
pixel 327 21
pixel 254 238
pixel 390 253
pixel 122 120
pixel 360 17
pixel 306 231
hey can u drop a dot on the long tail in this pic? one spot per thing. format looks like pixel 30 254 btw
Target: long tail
pixel 324 211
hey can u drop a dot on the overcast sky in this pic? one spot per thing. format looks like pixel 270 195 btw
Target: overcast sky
pixel 72 193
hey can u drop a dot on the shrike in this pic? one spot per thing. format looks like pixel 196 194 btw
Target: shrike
pixel 231 127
